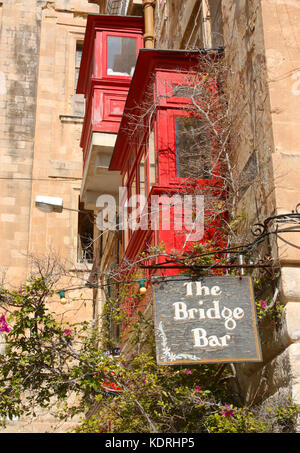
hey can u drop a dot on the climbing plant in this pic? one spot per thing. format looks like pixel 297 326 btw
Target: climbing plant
pixel 46 362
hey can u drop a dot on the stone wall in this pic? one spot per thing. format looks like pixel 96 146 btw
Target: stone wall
pixel 261 44
pixel 281 36
pixel 39 144
pixel 19 44
pixel 39 150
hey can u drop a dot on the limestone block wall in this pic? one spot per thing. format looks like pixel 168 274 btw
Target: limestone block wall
pixel 19 44
pixel 39 150
pixel 249 102
pixel 261 43
pixel 39 135
pixel 57 167
pixel 250 109
pixel 282 36
pixel 189 24
pixel 57 159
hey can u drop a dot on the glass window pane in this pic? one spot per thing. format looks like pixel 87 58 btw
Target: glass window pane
pixel 182 91
pixel 121 55
pixel 79 48
pixel 151 160
pixel 85 244
pixel 142 177
pixel 133 187
pixel 193 157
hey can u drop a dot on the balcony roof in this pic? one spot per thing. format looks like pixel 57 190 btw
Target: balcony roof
pixel 149 61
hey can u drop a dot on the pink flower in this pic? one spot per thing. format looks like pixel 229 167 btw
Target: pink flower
pixel 228 412
pixel 3 325
pixel 188 371
pixel 197 388
pixel 263 304
pixel 68 332
pixel 20 291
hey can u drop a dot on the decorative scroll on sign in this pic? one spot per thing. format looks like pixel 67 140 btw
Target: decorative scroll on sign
pixel 207 320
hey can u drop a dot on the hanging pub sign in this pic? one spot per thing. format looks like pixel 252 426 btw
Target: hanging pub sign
pixel 206 320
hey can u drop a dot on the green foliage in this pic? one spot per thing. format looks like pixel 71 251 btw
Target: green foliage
pixel 286 415
pixel 168 399
pixel 264 313
pixel 46 360
pixel 266 310
pixel 238 420
pixel 43 358
pixel 201 254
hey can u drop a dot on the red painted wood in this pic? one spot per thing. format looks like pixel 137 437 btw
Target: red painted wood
pixel 105 94
pixel 92 62
pixel 169 68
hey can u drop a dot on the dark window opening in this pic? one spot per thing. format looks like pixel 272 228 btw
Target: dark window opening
pixel 182 91
pixel 193 155
pixel 85 248
pixel 113 7
pixel 79 48
pixel 78 99
pixel 100 245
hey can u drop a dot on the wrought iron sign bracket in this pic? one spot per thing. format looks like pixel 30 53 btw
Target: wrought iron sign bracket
pixel 274 224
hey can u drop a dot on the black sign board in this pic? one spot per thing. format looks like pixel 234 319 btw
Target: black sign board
pixel 205 320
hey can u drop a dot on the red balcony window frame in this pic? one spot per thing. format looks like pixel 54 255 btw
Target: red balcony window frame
pixel 104 54
pixel 166 162
pixel 156 75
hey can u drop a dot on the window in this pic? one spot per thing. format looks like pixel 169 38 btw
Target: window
pixel 183 91
pixel 132 192
pixel 193 158
pixel 121 55
pixel 85 247
pixel 151 160
pixel 78 55
pixel 142 176
pixel 2 343
pixel 113 7
pixel 78 99
pixel 142 186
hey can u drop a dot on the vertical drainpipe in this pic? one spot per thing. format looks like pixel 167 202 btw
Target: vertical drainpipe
pixel 206 25
pixel 148 7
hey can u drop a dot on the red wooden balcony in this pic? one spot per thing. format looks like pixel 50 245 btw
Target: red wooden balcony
pixel 152 157
pixel 110 50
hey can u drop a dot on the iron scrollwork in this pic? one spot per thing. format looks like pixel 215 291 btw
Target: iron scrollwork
pixel 280 223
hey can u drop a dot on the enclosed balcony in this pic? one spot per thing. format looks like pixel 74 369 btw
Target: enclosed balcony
pixel 108 61
pixel 165 150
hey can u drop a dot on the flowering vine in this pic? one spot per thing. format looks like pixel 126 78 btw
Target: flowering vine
pixel 3 325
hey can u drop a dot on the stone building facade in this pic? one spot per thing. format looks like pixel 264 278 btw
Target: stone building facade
pixel 40 128
pixel 261 46
pixel 41 121
pixel 260 39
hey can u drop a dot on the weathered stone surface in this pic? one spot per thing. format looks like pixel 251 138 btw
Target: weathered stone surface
pixel 39 153
pixel 290 283
pixel 261 48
